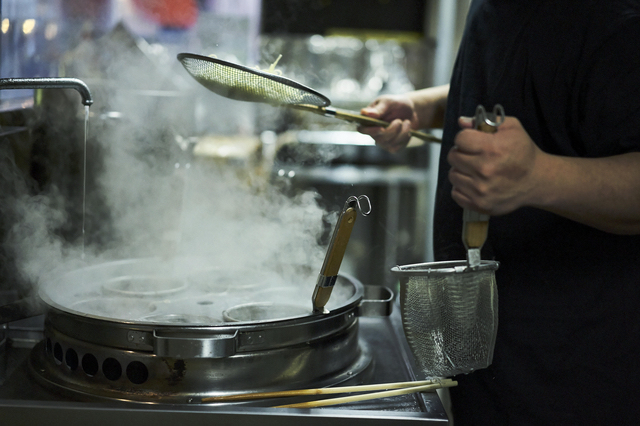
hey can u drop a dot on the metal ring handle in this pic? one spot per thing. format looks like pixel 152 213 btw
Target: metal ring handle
pixel 354 201
pixel 498 115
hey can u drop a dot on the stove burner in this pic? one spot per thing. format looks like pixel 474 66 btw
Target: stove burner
pixel 143 330
pixel 76 368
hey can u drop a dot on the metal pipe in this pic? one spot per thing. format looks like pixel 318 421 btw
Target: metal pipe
pixel 49 83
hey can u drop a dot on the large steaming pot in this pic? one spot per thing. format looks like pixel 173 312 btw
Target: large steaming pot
pixel 144 330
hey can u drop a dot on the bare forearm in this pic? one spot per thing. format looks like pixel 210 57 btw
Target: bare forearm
pixel 497 173
pixel 600 192
pixel 430 105
pixel 420 109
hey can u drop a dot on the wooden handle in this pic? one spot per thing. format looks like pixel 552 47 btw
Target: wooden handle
pixel 475 234
pixel 360 119
pixel 339 243
pixel 475 227
pixel 369 121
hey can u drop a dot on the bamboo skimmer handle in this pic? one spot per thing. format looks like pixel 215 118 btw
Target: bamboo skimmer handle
pixel 359 119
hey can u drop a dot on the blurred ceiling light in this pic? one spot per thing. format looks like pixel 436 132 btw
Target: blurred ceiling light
pixel 5 25
pixel 51 31
pixel 375 84
pixel 28 25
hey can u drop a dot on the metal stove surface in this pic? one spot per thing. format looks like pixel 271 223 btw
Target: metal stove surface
pixel 23 401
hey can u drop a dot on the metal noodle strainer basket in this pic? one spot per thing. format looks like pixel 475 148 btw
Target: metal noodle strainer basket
pixel 242 83
pixel 449 315
pixel 235 81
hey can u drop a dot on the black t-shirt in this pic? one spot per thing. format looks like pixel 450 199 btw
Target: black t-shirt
pixel 568 345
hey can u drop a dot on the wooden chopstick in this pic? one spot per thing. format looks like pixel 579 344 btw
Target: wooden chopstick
pixel 318 391
pixel 356 398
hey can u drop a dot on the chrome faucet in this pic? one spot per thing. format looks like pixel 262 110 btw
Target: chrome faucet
pixel 49 83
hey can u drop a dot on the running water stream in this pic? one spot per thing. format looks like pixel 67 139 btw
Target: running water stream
pixel 87 100
pixel 84 176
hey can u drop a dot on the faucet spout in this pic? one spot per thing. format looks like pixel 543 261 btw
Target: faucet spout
pixel 49 83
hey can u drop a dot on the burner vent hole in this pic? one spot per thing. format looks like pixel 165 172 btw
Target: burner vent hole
pixel 71 359
pixel 89 365
pixel 57 353
pixel 48 346
pixel 137 372
pixel 112 369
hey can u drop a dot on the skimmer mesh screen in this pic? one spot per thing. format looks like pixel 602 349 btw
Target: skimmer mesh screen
pixel 246 84
pixel 450 320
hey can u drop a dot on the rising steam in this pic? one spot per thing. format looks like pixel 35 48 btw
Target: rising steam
pixel 161 203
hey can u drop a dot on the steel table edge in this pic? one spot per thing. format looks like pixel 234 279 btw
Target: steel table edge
pixel 31 412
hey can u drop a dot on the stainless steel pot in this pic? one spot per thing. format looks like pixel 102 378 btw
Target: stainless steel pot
pixel 176 347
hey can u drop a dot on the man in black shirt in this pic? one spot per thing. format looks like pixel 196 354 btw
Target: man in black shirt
pixel 561 180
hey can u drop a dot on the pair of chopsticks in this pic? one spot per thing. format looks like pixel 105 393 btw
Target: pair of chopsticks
pixel 382 390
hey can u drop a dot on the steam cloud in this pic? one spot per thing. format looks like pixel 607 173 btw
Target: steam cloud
pixel 162 203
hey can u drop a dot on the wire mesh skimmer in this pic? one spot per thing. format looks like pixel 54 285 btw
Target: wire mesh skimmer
pixel 242 83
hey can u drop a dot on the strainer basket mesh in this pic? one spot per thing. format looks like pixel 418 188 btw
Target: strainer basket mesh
pixel 450 319
pixel 247 84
